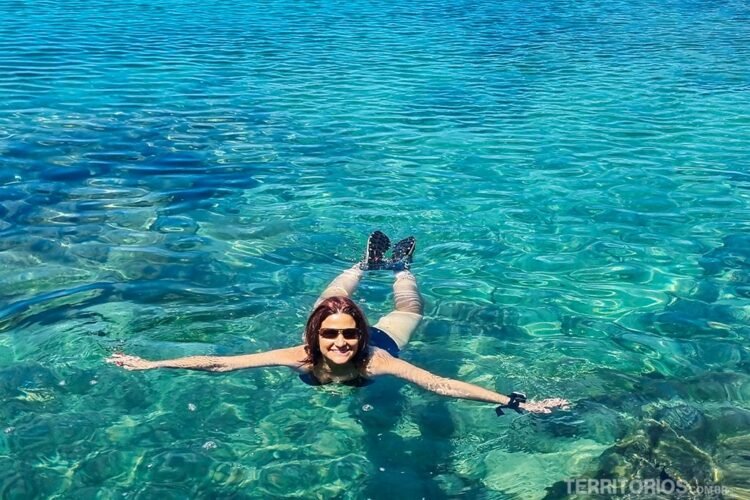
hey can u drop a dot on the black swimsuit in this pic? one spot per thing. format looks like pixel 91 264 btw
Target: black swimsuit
pixel 378 338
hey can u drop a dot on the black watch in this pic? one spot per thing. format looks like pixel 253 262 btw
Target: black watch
pixel 516 398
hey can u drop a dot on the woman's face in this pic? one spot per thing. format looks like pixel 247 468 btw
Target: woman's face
pixel 338 343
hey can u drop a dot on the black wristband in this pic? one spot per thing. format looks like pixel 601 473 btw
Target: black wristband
pixel 516 398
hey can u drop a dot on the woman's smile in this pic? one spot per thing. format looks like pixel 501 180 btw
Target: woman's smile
pixel 338 350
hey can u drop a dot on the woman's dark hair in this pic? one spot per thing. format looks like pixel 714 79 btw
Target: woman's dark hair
pixel 331 306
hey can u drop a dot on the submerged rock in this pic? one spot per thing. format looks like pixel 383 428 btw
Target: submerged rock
pixel 733 462
pixel 685 420
pixel 654 452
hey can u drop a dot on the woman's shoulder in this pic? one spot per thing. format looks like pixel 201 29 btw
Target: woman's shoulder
pixel 295 357
pixel 377 362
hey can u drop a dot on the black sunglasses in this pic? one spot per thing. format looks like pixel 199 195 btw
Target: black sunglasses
pixel 332 333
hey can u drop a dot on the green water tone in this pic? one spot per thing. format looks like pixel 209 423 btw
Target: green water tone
pixel 184 178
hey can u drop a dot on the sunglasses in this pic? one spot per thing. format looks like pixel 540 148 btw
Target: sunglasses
pixel 332 333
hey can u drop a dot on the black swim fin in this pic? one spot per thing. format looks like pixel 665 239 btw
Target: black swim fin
pixel 377 244
pixel 402 254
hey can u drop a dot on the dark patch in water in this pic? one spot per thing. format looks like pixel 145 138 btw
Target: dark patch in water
pixel 733 254
pixel 65 174
pixel 11 193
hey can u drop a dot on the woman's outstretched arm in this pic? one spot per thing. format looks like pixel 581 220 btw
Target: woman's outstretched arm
pixel 383 363
pixel 292 357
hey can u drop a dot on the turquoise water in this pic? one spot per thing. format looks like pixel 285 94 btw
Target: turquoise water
pixel 184 177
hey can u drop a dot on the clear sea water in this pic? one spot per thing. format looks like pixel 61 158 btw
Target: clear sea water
pixel 183 177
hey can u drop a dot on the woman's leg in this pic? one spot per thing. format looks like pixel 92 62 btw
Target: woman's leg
pixel 343 285
pixel 401 323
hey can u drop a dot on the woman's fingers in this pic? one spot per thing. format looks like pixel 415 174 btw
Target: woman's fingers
pixel 116 358
pixel 126 361
pixel 546 405
pixel 561 403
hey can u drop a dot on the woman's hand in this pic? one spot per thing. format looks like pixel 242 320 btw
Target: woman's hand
pixel 130 362
pixel 545 405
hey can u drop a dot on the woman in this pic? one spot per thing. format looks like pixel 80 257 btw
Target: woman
pixel 340 347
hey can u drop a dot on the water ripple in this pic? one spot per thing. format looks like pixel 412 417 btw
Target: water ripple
pixel 182 178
